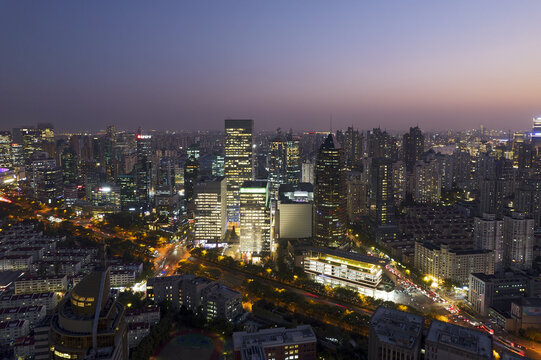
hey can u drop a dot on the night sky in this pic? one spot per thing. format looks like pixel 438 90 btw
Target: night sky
pixel 191 64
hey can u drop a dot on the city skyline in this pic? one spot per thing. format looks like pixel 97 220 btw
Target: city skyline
pixel 187 66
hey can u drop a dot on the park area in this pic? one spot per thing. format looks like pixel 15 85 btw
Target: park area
pixel 192 344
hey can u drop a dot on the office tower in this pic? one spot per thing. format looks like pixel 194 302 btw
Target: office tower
pixel 17 154
pixel 89 323
pixel 307 172
pixel 330 203
pixel 69 166
pixel 166 176
pixel 399 182
pixel 395 334
pixel 47 132
pixel 29 138
pixel 128 192
pixel 191 172
pixel 488 234
pixel 381 197
pixel 255 233
pixel 143 167
pixel 518 241
pixel 5 149
pixel 107 196
pixel 277 164
pixel 89 176
pixel 276 343
pixel 353 149
pixel 46 180
pixel 292 157
pixel 453 342
pixel 413 144
pixel 426 182
pixel 294 211
pixel 238 166
pixel 210 210
pixel 218 163
pixel 193 151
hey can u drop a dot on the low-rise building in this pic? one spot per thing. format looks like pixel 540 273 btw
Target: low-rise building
pixel 15 262
pixel 453 342
pixel 149 314
pixel 13 329
pixel 276 343
pixel 34 314
pixel 488 290
pixel 136 332
pixel 30 284
pixel 219 301
pixel 526 313
pixel 360 272
pixel 442 263
pixel 23 348
pixel 395 334
pixel 48 299
pixel 122 278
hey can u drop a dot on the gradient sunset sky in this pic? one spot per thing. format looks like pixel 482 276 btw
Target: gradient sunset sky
pixel 191 64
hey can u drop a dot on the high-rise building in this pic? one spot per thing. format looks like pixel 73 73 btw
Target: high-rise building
pixel 218 163
pixel 382 145
pixel 330 202
pixel 356 195
pixel 427 182
pixel 488 234
pixel 277 164
pixel 395 334
pixel 255 229
pixel 413 146
pixel 5 149
pixel 69 164
pixel 17 154
pixel 518 241
pixel 31 140
pixel 46 180
pixel 128 192
pixel 399 182
pixel 381 197
pixel 191 173
pixel 238 166
pixel 143 167
pixel 292 156
pixel 89 323
pixel 307 172
pixel 353 148
pixel 210 211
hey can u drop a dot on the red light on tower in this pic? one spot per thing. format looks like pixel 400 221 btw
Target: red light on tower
pixel 138 136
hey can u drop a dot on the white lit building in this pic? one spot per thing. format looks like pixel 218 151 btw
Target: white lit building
pixel 255 234
pixel 488 234
pixel 339 268
pixel 210 211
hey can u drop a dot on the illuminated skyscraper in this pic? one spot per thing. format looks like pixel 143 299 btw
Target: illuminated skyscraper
pixel 427 182
pixel 330 204
pixel 353 148
pixel 5 149
pixel 255 234
pixel 191 172
pixel 238 166
pixel 210 211
pixel 488 235
pixel 284 162
pixel 381 197
pixel 143 167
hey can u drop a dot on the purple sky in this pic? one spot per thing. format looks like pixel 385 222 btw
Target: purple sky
pixel 191 64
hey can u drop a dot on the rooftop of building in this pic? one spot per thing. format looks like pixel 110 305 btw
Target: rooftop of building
pixel 7 277
pixel 397 327
pixel 273 337
pixel 349 255
pixel 12 324
pixel 461 338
